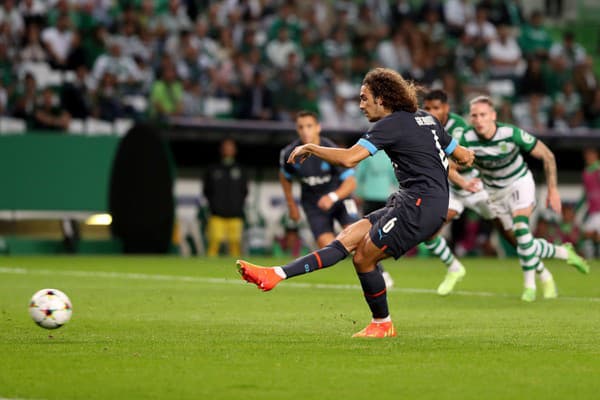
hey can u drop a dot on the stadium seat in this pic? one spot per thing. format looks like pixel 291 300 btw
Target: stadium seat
pixel 12 126
pixel 77 127
pixel 97 127
pixel 122 125
pixel 216 106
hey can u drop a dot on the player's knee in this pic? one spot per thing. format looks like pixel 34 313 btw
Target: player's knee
pixel 361 262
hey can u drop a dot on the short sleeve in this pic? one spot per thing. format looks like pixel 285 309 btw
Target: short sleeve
pixel 525 140
pixel 376 138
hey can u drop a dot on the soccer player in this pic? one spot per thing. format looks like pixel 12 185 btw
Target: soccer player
pixel 511 188
pixel 466 191
pixel 325 188
pixel 591 196
pixel 417 146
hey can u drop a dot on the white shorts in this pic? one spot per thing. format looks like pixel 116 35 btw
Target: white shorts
pixel 478 202
pixel 519 195
pixel 592 223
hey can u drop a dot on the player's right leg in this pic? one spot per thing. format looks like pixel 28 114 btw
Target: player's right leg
pixel 266 278
pixel 216 234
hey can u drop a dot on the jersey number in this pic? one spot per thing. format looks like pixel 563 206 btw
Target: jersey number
pixel 441 152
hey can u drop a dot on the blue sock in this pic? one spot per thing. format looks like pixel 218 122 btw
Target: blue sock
pixel 322 258
pixel 375 293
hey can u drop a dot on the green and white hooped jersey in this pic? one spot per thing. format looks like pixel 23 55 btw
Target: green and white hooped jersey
pixel 455 127
pixel 499 159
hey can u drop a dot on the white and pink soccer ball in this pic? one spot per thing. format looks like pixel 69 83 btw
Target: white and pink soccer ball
pixel 50 308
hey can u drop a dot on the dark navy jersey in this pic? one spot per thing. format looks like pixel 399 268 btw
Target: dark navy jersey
pixel 317 177
pixel 417 145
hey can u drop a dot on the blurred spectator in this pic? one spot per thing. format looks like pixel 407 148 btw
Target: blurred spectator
pixel 506 12
pixel 338 114
pixel 567 105
pixel 49 115
pixel 432 28
pixel 32 50
pixel 532 115
pixel 535 78
pixel 505 55
pixel 173 21
pixel 130 43
pixel 287 96
pixel 166 95
pixel 475 78
pixel 456 14
pixel 569 231
pixel 95 44
pixel 3 100
pixel 278 49
pixel 33 11
pixel 107 99
pixel 480 31
pixel 338 45
pixel 591 198
pixel 286 19
pixel 256 100
pixel 547 228
pixel 464 53
pixel 59 41
pixel 568 50
pixel 400 10
pixel 394 53
pixel 6 66
pixel 76 96
pixel 225 189
pixel 592 111
pixel 13 19
pixel 585 80
pixel 535 39
pixel 121 66
pixel 25 98
pixel 77 55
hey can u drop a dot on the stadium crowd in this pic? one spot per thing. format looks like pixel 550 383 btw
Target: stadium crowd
pixel 251 59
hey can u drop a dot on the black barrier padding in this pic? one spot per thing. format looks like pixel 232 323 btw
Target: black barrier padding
pixel 141 192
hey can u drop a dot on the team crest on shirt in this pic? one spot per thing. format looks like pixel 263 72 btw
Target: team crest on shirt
pixel 503 147
pixel 325 166
pixel 527 138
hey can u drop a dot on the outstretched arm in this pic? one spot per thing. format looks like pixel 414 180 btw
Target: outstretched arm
pixel 289 198
pixel 542 152
pixel 347 158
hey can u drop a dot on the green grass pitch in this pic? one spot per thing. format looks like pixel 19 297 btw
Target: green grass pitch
pixel 171 328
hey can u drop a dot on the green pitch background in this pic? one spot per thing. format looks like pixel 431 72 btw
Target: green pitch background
pixel 169 328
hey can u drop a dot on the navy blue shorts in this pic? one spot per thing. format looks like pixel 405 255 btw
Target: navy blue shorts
pixel 344 212
pixel 405 221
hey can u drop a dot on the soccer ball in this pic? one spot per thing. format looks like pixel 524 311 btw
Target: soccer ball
pixel 50 308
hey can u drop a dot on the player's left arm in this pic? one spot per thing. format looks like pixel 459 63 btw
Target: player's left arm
pixel 543 153
pixel 347 158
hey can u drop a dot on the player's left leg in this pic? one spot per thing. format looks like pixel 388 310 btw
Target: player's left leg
pixel 374 289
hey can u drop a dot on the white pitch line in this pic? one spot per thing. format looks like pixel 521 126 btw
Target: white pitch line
pixel 183 278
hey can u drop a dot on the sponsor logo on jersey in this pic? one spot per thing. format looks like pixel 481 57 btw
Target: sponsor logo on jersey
pixel 316 180
pixel 428 120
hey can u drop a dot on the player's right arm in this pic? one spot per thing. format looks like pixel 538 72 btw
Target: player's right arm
pixel 286 185
pixel 472 185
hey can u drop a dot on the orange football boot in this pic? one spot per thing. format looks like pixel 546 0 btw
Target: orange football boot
pixel 377 330
pixel 264 277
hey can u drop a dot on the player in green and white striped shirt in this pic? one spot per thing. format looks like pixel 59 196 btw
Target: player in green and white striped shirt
pixel 511 188
pixel 435 102
pixel 466 191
